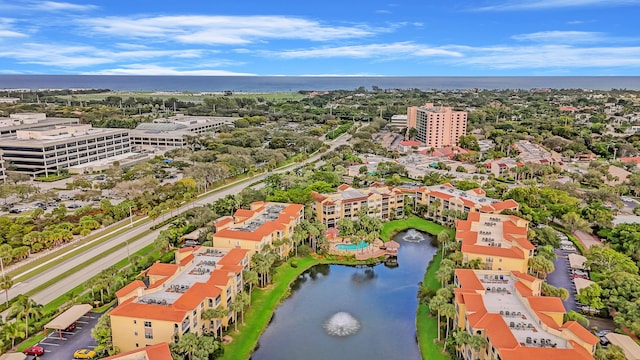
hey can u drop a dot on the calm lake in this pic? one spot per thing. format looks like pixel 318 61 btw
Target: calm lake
pixel 382 299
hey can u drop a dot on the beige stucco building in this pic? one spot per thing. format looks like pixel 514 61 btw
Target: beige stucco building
pixel 507 309
pixel 171 301
pixel 437 126
pixel 499 241
pixel 266 223
pixel 383 202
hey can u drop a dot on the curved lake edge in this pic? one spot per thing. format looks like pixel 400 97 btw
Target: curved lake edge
pixel 265 303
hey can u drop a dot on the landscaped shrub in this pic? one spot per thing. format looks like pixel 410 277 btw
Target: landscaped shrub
pixel 294 263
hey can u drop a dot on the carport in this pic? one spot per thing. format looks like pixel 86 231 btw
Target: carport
pixel 13 356
pixel 67 318
pixel 581 284
pixel 577 261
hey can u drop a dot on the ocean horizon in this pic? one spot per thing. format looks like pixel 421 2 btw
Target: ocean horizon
pixel 140 83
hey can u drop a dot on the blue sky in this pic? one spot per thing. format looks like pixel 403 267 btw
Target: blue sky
pixel 329 37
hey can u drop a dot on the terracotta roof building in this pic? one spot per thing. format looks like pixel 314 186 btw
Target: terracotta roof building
pixel 170 301
pixel 447 197
pixel 505 307
pixel 383 202
pixel 499 241
pixel 263 224
pixel 437 126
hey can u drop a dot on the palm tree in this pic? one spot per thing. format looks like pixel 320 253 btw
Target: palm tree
pixel 444 274
pixel 436 304
pixel 449 312
pixel 443 237
pixel 25 308
pixel 462 338
pixel 250 278
pixel 211 314
pixel 236 307
pixel 188 345
pixel 244 300
pixel 5 284
pixel 477 343
pixel 12 330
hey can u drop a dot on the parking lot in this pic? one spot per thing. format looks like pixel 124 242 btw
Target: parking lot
pixel 62 345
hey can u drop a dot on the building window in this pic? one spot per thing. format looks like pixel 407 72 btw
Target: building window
pixel 135 333
pixel 135 322
pixel 147 324
pixel 148 335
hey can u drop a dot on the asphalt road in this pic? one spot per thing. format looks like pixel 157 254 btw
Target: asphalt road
pixel 104 262
pixel 561 277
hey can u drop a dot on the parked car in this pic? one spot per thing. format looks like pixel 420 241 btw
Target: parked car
pixel 601 333
pixel 17 210
pixel 71 327
pixel 73 206
pixel 34 350
pixel 84 354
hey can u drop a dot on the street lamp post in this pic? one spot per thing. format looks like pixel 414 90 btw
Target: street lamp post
pixel 130 216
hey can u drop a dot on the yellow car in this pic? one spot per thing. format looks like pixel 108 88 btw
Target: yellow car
pixel 84 354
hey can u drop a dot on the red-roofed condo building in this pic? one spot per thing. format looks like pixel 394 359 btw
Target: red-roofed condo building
pixel 437 126
pixel 499 241
pixel 445 201
pixel 505 307
pixel 383 202
pixel 171 300
pixel 264 224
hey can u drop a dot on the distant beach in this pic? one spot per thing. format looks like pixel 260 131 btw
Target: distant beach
pixel 300 83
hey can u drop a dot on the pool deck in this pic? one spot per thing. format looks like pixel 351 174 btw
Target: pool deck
pixel 369 252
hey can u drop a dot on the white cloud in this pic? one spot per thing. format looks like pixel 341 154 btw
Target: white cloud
pixel 226 30
pixel 548 57
pixel 60 6
pixel 8 33
pixel 46 6
pixel 150 69
pixel 76 56
pixel 562 37
pixel 550 4
pixel 388 51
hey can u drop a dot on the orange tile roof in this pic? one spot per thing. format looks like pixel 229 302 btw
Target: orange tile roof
pixel 243 213
pixel 548 320
pixel 546 304
pixel 317 196
pixel 441 195
pixel 522 289
pixel 507 204
pixel 524 276
pixel 343 187
pixel 159 351
pixel 133 309
pixel 223 221
pixel 195 295
pixel 233 268
pixel 189 258
pixel 468 279
pixel 580 332
pixel 266 229
pixel 132 286
pixel 498 331
pixel 233 257
pixel 219 277
pixel 513 252
pixel 160 269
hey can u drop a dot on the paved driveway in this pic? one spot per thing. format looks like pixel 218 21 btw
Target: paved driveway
pixel 62 346
pixel 561 277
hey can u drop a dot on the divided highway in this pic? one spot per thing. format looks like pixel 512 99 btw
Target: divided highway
pixel 102 262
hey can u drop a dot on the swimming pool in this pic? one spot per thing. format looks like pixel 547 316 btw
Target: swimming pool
pixel 357 246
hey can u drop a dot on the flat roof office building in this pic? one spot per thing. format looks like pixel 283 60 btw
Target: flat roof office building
pixel 44 151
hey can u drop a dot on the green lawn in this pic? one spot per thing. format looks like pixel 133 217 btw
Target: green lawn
pixel 263 304
pixel 413 222
pixel 427 325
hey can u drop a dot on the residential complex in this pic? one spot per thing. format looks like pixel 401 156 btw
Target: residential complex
pixel 43 151
pixel 447 201
pixel 498 241
pixel 437 126
pixel 174 132
pixel 384 202
pixel 171 300
pixel 505 307
pixel 266 223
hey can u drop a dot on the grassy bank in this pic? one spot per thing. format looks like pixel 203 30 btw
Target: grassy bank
pixel 263 304
pixel 427 325
pixel 412 222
